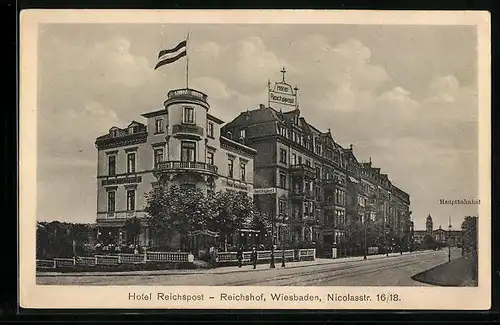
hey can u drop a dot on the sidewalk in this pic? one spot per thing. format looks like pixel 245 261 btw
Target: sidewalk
pixel 460 272
pixel 226 269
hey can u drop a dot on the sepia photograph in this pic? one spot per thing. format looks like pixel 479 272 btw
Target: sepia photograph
pixel 304 155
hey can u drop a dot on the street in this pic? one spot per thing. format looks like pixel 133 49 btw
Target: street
pixel 394 270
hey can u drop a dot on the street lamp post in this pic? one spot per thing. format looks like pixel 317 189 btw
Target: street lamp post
pixel 449 242
pixel 366 248
pixel 272 266
pixel 283 249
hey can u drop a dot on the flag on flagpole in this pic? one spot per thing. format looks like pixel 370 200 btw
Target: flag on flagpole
pixel 168 56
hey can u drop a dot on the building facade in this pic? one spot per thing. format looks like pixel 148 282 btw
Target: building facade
pixel 178 144
pixel 313 188
pixel 440 235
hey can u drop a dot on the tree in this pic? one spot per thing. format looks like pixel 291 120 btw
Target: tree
pixel 355 235
pixel 176 210
pixel 429 242
pixel 232 210
pixel 469 234
pixel 133 229
pixel 55 238
pixel 261 222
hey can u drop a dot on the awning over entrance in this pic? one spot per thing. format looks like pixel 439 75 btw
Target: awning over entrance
pixel 204 232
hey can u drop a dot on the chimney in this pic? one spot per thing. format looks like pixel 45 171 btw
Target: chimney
pixel 262 106
pixel 350 146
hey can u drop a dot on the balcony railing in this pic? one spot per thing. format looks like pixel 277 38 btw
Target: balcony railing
pixel 190 165
pixel 303 169
pixel 187 128
pixel 298 194
pixel 186 94
pixel 334 181
pixel 118 215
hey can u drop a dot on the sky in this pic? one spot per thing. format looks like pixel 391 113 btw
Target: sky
pixel 404 96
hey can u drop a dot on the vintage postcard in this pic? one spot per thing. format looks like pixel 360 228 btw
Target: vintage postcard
pixel 254 159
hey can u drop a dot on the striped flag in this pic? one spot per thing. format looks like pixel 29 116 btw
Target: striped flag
pixel 171 55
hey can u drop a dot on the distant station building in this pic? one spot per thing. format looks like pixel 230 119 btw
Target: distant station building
pixel 440 235
pixel 178 144
pixel 313 188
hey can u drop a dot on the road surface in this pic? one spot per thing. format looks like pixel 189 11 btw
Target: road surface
pixel 395 270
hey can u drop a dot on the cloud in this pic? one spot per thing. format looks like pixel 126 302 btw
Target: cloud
pixel 424 134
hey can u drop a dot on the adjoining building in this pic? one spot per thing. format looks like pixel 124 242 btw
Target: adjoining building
pixel 178 144
pixel 312 187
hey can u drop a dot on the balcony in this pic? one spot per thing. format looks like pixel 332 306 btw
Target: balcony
pixel 187 95
pixel 303 170
pixel 186 166
pixel 116 218
pixel 333 182
pixel 302 195
pixel 187 131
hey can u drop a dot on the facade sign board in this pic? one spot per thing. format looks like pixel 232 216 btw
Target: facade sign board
pixel 282 93
pixel 263 191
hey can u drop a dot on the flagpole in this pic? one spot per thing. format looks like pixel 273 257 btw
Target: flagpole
pixel 187 61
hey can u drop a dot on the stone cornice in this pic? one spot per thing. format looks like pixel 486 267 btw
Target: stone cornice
pixel 121 141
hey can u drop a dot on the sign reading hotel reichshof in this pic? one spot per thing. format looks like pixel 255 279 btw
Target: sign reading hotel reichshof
pixel 283 93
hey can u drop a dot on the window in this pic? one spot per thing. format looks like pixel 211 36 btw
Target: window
pixel 243 167
pixel 300 160
pixel 318 149
pixel 318 193
pixel 282 207
pixel 294 159
pixel 159 125
pixel 112 165
pixel 230 168
pixel 210 130
pixel 242 133
pixel 283 156
pixel 210 158
pixel 340 197
pixel 158 157
pixel 318 172
pixel 308 186
pixel 188 151
pixel 111 201
pixel 188 115
pixel 131 163
pixel 339 218
pixel 131 200
pixel 282 183
pixel 308 162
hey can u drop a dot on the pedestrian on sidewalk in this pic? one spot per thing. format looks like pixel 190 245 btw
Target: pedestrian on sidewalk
pixel 254 257
pixel 239 256
pixel 211 256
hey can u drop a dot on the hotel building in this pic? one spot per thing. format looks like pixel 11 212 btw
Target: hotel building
pixel 178 144
pixel 312 187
